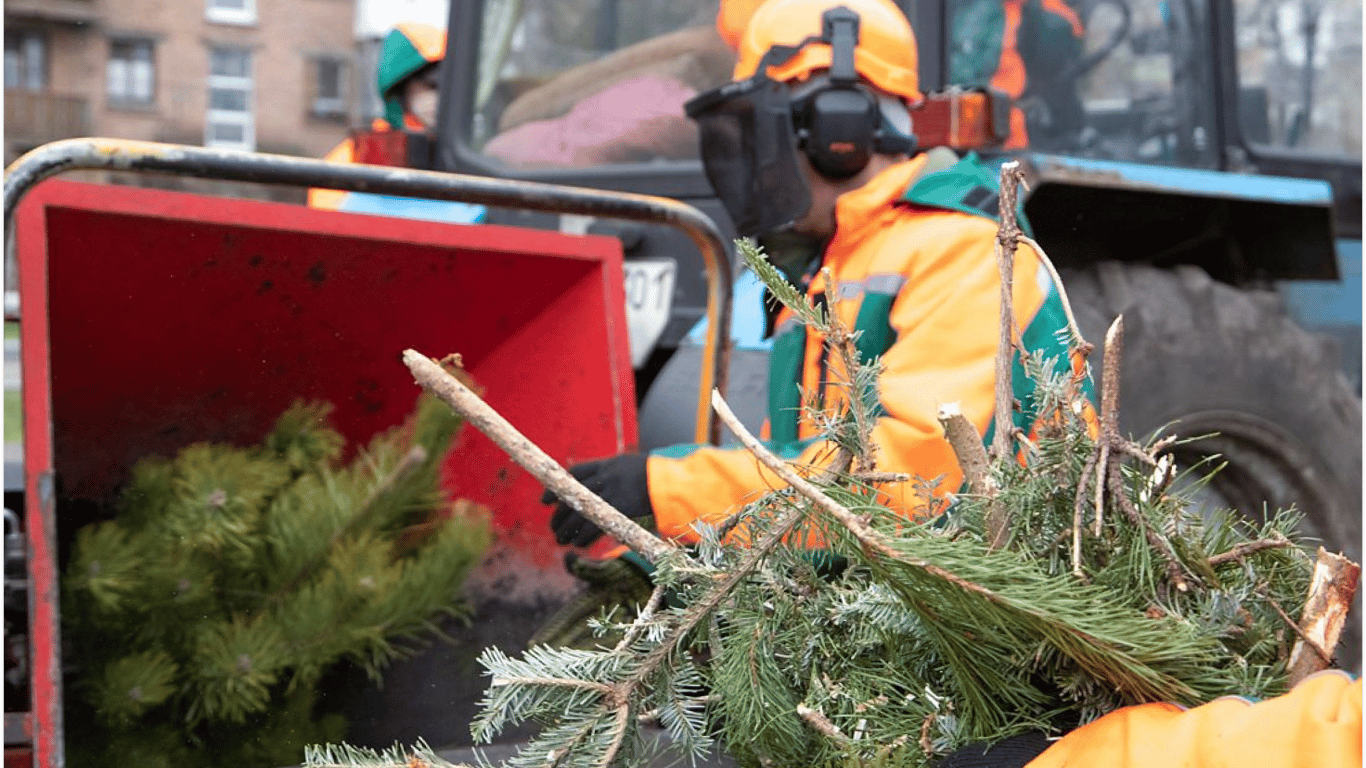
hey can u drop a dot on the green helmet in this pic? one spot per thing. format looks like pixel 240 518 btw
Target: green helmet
pixel 409 48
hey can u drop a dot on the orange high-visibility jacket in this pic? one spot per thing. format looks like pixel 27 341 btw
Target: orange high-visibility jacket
pixel 1316 725
pixel 921 284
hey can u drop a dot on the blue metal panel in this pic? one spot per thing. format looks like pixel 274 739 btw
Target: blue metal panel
pixel 1187 181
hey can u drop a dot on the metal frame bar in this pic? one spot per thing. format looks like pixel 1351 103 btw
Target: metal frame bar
pixel 148 157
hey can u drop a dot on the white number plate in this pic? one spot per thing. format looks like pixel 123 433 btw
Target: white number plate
pixel 649 297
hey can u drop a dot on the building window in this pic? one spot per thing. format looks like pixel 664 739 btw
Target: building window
pixel 129 79
pixel 231 11
pixel 228 121
pixel 25 60
pixel 328 86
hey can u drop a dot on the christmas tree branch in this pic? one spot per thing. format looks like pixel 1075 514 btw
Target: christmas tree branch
pixel 404 469
pixel 871 540
pixel 561 682
pixel 844 342
pixel 530 457
pixel 866 536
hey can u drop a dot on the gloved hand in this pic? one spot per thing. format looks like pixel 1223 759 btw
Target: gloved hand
pixel 619 480
pixel 621 581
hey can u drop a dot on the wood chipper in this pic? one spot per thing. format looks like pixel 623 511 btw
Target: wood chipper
pixel 152 320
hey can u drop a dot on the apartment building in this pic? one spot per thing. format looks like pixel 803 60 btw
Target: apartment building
pixel 268 75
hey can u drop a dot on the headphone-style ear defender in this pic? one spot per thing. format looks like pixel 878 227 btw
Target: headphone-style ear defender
pixel 839 125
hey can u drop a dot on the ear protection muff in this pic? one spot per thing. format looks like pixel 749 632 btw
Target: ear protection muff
pixel 838 122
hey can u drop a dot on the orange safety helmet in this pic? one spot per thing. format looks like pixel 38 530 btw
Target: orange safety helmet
pixel 732 17
pixel 885 56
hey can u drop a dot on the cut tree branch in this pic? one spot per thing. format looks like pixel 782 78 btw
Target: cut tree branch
pixel 1007 240
pixel 972 457
pixel 822 724
pixel 530 457
pixel 1243 550
pixel 1330 596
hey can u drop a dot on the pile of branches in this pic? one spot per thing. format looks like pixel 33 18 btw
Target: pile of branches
pixel 1072 576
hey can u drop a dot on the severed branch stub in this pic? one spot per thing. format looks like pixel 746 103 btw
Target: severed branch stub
pixel 1325 612
pixel 530 457
pixel 972 457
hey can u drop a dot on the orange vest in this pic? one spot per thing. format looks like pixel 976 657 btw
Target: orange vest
pixel 1316 725
pixel 930 275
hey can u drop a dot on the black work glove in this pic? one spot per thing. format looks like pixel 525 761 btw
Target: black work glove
pixel 620 481
pixel 1013 752
pixel 622 583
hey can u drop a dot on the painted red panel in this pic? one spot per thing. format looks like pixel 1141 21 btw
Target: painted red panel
pixel 175 318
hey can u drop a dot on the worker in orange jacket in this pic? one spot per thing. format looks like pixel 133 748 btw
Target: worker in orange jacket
pixel 828 160
pixel 406 79
pixel 908 244
pixel 1031 50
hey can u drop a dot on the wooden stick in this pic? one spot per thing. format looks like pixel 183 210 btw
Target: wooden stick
pixel 972 457
pixel 1330 596
pixel 1243 550
pixel 1007 240
pixel 817 720
pixel 967 446
pixel 530 457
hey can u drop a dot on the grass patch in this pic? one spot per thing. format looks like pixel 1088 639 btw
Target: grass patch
pixel 14 409
pixel 14 422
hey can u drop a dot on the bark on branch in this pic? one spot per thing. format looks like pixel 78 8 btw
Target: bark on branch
pixel 530 457
pixel 1325 612
pixel 1007 240
pixel 972 457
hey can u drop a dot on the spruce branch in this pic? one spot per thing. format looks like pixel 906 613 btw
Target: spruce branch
pixel 866 535
pixel 344 756
pixel 432 377
pixel 844 342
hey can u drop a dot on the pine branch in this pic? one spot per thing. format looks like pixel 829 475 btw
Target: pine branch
pixel 411 462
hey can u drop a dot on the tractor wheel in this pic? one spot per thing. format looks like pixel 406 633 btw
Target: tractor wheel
pixel 1204 358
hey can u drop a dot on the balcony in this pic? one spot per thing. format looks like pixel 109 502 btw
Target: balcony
pixel 37 117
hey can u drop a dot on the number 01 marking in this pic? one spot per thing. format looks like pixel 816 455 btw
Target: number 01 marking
pixel 648 289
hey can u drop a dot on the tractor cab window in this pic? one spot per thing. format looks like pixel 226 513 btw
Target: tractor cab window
pixel 579 83
pixel 1299 75
pixel 1109 79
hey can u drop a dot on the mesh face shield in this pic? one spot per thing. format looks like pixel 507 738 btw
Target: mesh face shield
pixel 749 150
